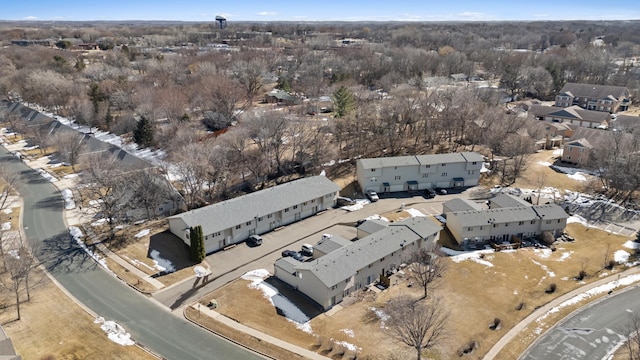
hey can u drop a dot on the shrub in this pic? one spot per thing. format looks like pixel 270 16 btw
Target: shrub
pixel 468 348
pixel 551 289
pixel 581 275
pixel 611 264
pixel 520 306
pixel 496 324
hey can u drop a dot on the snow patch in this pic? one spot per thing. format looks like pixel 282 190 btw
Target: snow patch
pixel 477 256
pixel 67 195
pixel 115 332
pixel 142 233
pixel 160 263
pixel 348 332
pixel 621 256
pixel 76 234
pixel 6 226
pixel 281 303
pixel 415 212
pixel 380 314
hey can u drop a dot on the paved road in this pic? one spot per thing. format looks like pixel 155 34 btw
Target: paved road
pixel 148 322
pixel 589 334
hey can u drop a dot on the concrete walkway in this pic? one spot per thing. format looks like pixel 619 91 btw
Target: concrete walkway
pixel 204 310
pixel 76 217
pixel 515 331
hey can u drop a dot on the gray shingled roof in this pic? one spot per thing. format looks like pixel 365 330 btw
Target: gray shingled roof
pixel 571 112
pixel 511 214
pixel 593 91
pixel 331 244
pixel 432 159
pixel 343 263
pixel 229 213
pixel 381 162
pixel 373 225
pixel 505 200
pixel 601 139
pixel 459 204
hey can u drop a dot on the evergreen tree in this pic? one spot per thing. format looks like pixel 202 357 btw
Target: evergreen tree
pixel 143 134
pixel 343 101
pixel 197 250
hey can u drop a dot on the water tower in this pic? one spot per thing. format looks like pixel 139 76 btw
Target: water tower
pixel 222 21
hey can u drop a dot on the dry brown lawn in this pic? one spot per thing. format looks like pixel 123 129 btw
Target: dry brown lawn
pixel 51 324
pixel 135 250
pixel 474 295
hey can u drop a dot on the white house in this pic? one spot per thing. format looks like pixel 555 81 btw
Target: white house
pixel 328 278
pixel 233 221
pixel 506 217
pixel 410 173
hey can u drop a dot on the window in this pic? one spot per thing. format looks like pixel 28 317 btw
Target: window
pixel 286 210
pixel 369 266
pixel 334 287
pixel 295 206
pixel 187 234
pixel 470 229
pixel 481 227
pixel 238 226
pixel 373 170
pixel 471 172
pixel 217 234
pixel 533 221
pixel 474 162
pixel 248 223
pixel 444 174
pixel 312 201
pixel 397 177
pixel 381 260
pixel 260 218
pixel 304 203
pixel 548 221
pixel 427 166
pixel 506 224
pixel 559 221
pixel 444 165
pixel 269 216
pixel 395 168
pixel 581 150
pixel 521 223
pixel 495 225
pixel 425 175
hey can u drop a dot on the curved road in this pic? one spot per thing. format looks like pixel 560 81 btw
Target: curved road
pixel 591 333
pixel 149 323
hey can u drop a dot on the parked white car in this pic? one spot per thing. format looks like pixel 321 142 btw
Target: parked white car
pixel 372 195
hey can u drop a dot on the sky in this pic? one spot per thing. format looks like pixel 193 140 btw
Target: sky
pixel 325 10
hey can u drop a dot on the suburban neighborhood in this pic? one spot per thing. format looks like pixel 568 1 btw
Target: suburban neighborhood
pixel 347 190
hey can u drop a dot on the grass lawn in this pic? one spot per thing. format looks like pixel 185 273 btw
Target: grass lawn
pixel 474 295
pixel 53 325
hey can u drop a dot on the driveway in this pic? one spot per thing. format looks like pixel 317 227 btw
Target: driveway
pixel 228 265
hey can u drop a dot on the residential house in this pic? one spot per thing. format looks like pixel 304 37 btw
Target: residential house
pixel 281 97
pixel 411 173
pixel 605 98
pixel 507 217
pixel 459 204
pixel 233 221
pixel 328 279
pixel 585 142
pixel 574 115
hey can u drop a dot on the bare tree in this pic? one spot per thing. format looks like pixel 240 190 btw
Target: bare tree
pixel 416 323
pixel 249 74
pixel 108 187
pixel 427 265
pixel 70 145
pixel 541 181
pixel 19 265
pixel 633 338
pixel 7 182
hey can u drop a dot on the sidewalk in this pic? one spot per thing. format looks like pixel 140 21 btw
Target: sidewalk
pixel 515 331
pixel 308 354
pixel 76 217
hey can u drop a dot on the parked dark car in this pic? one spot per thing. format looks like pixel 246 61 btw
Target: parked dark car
pixel 429 193
pixel 254 240
pixel 294 254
